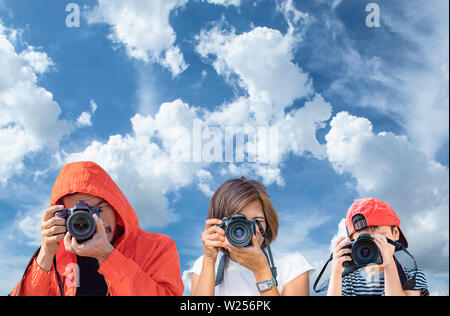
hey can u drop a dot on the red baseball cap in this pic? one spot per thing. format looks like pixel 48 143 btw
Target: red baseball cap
pixel 372 212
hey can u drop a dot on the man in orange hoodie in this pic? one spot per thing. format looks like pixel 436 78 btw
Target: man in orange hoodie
pixel 120 259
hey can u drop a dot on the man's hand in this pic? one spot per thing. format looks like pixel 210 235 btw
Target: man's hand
pixel 52 232
pixel 98 247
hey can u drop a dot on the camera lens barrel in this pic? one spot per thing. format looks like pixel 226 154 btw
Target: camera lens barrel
pixel 365 251
pixel 81 225
pixel 239 230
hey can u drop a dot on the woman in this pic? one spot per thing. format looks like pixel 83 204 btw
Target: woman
pixel 245 271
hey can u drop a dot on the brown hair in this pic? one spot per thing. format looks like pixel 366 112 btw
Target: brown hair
pixel 233 195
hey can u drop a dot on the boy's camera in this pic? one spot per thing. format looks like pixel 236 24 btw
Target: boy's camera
pixel 364 252
pixel 80 220
pixel 239 230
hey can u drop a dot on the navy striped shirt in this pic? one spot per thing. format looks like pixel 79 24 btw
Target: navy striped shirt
pixel 360 283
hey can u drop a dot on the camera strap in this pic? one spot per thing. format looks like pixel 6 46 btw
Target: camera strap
pixel 269 256
pixel 58 276
pixel 407 284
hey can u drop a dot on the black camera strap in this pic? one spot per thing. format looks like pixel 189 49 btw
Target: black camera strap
pixel 407 284
pixel 269 256
pixel 320 276
pixel 58 276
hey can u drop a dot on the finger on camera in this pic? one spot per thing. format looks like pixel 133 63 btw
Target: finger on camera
pixel 214 243
pixel 343 252
pixel 54 221
pixel 215 236
pixel 216 229
pixel 341 244
pixel 55 238
pixel 55 230
pixel 211 222
pixel 48 213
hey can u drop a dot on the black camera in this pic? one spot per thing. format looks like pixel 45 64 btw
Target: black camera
pixel 239 230
pixel 364 252
pixel 80 220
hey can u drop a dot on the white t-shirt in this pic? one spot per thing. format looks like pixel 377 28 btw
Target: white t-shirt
pixel 239 281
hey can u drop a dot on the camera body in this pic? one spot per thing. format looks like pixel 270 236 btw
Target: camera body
pixel 239 230
pixel 364 252
pixel 80 220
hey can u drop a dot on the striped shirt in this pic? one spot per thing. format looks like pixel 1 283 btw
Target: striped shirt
pixel 360 283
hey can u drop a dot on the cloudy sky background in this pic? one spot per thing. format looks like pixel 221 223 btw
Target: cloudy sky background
pixel 359 111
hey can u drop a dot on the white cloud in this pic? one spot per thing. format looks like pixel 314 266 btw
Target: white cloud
pixel 93 106
pixel 143 28
pixel 29 117
pixel 226 3
pixel 254 61
pixel 410 84
pixel 39 61
pixel 85 119
pixel 388 167
pixel 256 57
pixel 142 162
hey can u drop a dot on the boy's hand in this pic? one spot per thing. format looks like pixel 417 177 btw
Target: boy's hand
pixel 386 249
pixel 341 255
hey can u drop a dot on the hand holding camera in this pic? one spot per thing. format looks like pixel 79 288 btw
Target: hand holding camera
pixel 341 254
pixel 243 243
pixel 97 246
pixel 213 239
pixel 366 250
pixel 53 230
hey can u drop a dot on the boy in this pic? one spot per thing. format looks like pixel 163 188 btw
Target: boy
pixel 376 218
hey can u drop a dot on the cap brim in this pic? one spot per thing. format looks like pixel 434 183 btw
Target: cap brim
pixel 403 239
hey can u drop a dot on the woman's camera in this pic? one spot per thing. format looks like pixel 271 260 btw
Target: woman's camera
pixel 80 220
pixel 239 230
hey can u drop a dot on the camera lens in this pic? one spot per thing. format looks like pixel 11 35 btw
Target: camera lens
pixel 81 225
pixel 240 233
pixel 365 251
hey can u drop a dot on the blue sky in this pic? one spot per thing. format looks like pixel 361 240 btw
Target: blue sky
pixel 360 112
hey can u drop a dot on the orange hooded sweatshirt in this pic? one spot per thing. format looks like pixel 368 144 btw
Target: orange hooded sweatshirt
pixel 142 263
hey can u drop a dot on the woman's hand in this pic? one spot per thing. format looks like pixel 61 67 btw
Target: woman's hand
pixel 213 239
pixel 251 257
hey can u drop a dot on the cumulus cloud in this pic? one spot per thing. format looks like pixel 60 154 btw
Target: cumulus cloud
pixel 85 118
pixel 388 167
pixel 29 117
pixel 255 57
pixel 143 162
pixel 143 28
pixel 254 61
